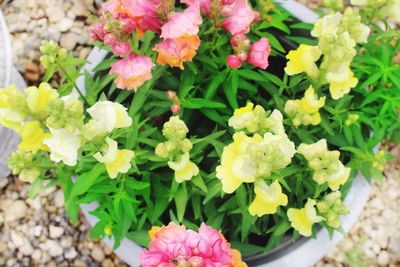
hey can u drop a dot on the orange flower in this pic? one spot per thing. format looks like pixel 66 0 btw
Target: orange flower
pixel 174 52
pixel 237 259
pixel 154 231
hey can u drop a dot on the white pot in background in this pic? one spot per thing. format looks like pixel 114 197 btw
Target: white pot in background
pixel 8 75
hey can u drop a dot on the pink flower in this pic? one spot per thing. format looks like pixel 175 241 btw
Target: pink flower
pixel 175 244
pixel 132 72
pixel 153 258
pixel 184 23
pixel 204 5
pixel 220 250
pixel 259 53
pixel 144 13
pixel 233 61
pixel 110 39
pixel 239 17
pixel 121 49
pixel 97 31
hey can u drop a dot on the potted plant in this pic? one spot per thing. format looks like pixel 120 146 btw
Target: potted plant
pixel 212 119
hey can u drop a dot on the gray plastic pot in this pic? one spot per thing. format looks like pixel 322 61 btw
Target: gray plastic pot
pixel 8 75
pixel 304 252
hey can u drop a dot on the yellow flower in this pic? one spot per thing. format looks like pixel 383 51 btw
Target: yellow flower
pixel 39 98
pixel 237 166
pixel 340 178
pixel 29 175
pixel 268 198
pixel 184 168
pixel 303 60
pixel 327 25
pixel 237 259
pixel 305 111
pixel 33 136
pixel 303 219
pixel 116 160
pixel 341 81
pixel 12 103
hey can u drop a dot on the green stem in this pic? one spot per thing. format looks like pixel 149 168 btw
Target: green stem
pixel 74 84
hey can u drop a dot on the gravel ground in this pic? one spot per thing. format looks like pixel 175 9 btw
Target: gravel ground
pixel 36 232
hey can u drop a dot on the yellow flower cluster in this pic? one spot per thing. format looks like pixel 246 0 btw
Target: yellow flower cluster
pixel 305 111
pixel 252 159
pixel 256 120
pixel 176 149
pixel 326 164
pixel 338 34
pixel 331 207
pixel 53 124
pixel 381 9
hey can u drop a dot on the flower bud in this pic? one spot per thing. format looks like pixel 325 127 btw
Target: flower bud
pixel 121 49
pixel 175 109
pixel 171 95
pixel 233 61
pixel 128 26
pixel 110 39
pixel 108 230
pixel 242 56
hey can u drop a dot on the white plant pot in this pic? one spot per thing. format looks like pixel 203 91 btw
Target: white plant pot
pixel 8 75
pixel 304 253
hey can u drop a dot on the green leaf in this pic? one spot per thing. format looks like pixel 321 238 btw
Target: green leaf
pixel 141 237
pixel 199 182
pixel 187 80
pixel 199 103
pixel 213 190
pixel 274 79
pixel 241 198
pixel 181 199
pixel 282 228
pixel 231 92
pixel 214 85
pixel 35 187
pixel 86 180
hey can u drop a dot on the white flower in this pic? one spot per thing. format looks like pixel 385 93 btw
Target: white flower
pixel 110 115
pixel 63 146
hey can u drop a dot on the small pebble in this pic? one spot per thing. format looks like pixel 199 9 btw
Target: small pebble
pixel 55 231
pixel 97 254
pixel 383 258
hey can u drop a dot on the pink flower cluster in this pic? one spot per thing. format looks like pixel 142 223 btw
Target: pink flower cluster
pixel 174 245
pixel 178 32
pixel 255 54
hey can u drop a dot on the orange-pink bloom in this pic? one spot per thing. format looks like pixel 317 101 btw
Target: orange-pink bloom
pixel 132 72
pixel 174 52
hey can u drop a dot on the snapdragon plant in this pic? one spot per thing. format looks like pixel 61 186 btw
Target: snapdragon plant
pixel 254 125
